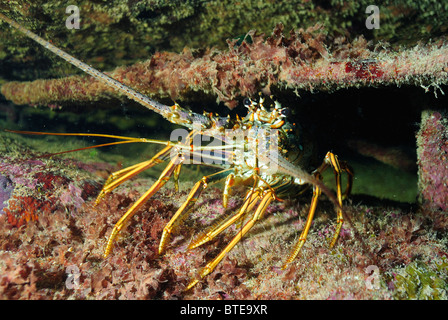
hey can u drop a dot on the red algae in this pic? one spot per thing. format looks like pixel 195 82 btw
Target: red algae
pixel 21 210
pixel 52 237
pixel 367 69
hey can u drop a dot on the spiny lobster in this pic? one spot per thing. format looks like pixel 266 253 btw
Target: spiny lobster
pixel 241 155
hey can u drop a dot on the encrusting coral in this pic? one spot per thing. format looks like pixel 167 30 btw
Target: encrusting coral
pixel 58 255
pixel 432 142
pixel 304 60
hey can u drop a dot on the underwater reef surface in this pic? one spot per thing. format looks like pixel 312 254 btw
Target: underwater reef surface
pixel 52 239
pixel 117 33
pixel 376 93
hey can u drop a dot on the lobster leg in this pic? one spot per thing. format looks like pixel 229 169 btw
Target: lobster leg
pixel 338 167
pixel 118 177
pixel 249 203
pixel 268 197
pixel 164 177
pixel 200 186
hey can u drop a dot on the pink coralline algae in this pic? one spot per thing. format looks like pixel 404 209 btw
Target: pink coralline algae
pixel 306 60
pixel 432 140
pixel 65 231
pixel 6 188
pixel 72 196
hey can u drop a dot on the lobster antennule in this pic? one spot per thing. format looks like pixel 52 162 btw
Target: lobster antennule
pixel 181 146
pixel 172 113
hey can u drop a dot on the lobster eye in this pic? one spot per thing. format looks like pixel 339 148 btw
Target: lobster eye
pixel 286 112
pixel 247 102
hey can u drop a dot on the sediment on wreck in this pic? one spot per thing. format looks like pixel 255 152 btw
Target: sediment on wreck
pixel 432 152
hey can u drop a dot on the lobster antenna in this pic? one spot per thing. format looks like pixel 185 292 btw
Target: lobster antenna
pixel 170 113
